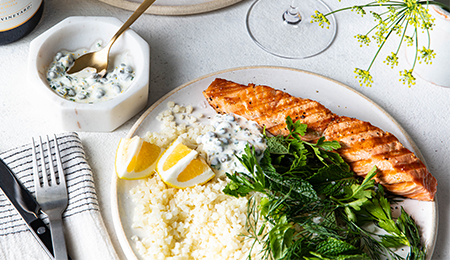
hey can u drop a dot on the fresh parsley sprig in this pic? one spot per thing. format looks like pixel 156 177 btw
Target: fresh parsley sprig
pixel 305 203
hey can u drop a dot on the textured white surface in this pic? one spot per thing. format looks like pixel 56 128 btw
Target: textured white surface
pixel 186 47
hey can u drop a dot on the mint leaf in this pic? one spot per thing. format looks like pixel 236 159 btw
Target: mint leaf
pixel 317 256
pixel 334 188
pixel 329 174
pixel 335 247
pixel 277 145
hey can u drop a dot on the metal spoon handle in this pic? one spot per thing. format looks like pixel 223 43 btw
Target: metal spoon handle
pixel 139 11
pixel 99 59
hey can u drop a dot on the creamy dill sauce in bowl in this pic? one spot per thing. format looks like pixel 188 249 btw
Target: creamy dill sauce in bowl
pixel 87 86
pixel 78 35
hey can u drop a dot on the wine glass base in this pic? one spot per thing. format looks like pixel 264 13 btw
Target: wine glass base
pixel 266 26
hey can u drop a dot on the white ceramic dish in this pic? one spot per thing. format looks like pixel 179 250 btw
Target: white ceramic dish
pixel 174 7
pixel 76 33
pixel 339 98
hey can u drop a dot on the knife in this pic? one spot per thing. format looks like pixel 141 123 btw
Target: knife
pixel 26 205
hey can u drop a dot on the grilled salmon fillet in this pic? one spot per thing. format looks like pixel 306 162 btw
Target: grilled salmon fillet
pixel 362 144
pixel 268 107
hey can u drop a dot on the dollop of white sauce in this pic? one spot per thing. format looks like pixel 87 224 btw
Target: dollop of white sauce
pixel 87 86
pixel 232 133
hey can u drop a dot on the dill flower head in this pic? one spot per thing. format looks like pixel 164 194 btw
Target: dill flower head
pixel 392 60
pixel 398 28
pixel 377 17
pixel 363 77
pixel 358 9
pixel 426 55
pixel 321 19
pixel 407 77
pixel 417 15
pixel 380 34
pixel 363 39
pixel 409 40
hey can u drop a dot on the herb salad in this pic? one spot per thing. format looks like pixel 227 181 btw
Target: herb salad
pixel 306 203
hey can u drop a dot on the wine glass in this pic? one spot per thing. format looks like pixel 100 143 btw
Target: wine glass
pixel 284 28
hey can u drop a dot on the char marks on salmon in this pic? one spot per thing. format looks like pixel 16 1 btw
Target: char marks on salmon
pixel 362 144
pixel 268 107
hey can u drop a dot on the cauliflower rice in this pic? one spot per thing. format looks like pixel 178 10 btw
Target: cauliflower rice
pixel 193 223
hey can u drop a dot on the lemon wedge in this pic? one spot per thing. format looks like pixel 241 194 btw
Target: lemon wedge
pixel 136 158
pixel 181 167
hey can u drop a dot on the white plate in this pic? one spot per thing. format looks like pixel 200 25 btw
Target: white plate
pixel 174 7
pixel 339 98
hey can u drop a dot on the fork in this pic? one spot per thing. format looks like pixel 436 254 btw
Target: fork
pixel 52 195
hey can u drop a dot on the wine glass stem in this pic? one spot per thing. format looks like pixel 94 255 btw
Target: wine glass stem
pixel 292 15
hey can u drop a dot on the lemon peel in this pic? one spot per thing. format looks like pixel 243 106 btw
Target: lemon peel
pixel 136 158
pixel 181 167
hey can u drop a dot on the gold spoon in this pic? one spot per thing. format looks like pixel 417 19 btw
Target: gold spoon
pixel 99 59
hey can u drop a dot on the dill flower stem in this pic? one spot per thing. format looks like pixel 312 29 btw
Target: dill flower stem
pixel 428 31
pixel 403 37
pixel 371 4
pixel 379 49
pixel 417 49
pixel 376 26
pixel 400 20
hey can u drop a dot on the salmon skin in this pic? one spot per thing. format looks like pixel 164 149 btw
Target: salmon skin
pixel 362 144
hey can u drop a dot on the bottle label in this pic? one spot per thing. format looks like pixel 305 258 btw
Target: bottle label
pixel 14 13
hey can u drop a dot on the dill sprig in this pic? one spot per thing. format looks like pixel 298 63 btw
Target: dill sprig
pixel 399 17
pixel 306 203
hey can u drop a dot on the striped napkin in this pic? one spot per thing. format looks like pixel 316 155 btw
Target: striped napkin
pixel 85 232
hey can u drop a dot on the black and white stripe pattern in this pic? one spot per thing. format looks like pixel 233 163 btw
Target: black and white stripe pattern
pixel 80 183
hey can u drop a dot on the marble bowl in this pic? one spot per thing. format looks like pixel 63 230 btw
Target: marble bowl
pixel 76 33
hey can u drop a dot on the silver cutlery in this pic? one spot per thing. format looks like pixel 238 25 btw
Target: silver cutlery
pixel 52 193
pixel 26 206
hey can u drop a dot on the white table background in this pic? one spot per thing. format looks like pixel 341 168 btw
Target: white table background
pixel 186 47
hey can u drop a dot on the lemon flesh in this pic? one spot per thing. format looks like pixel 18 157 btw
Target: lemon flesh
pixel 136 158
pixel 182 167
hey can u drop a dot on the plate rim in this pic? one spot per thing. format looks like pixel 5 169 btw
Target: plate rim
pixel 117 223
pixel 173 9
